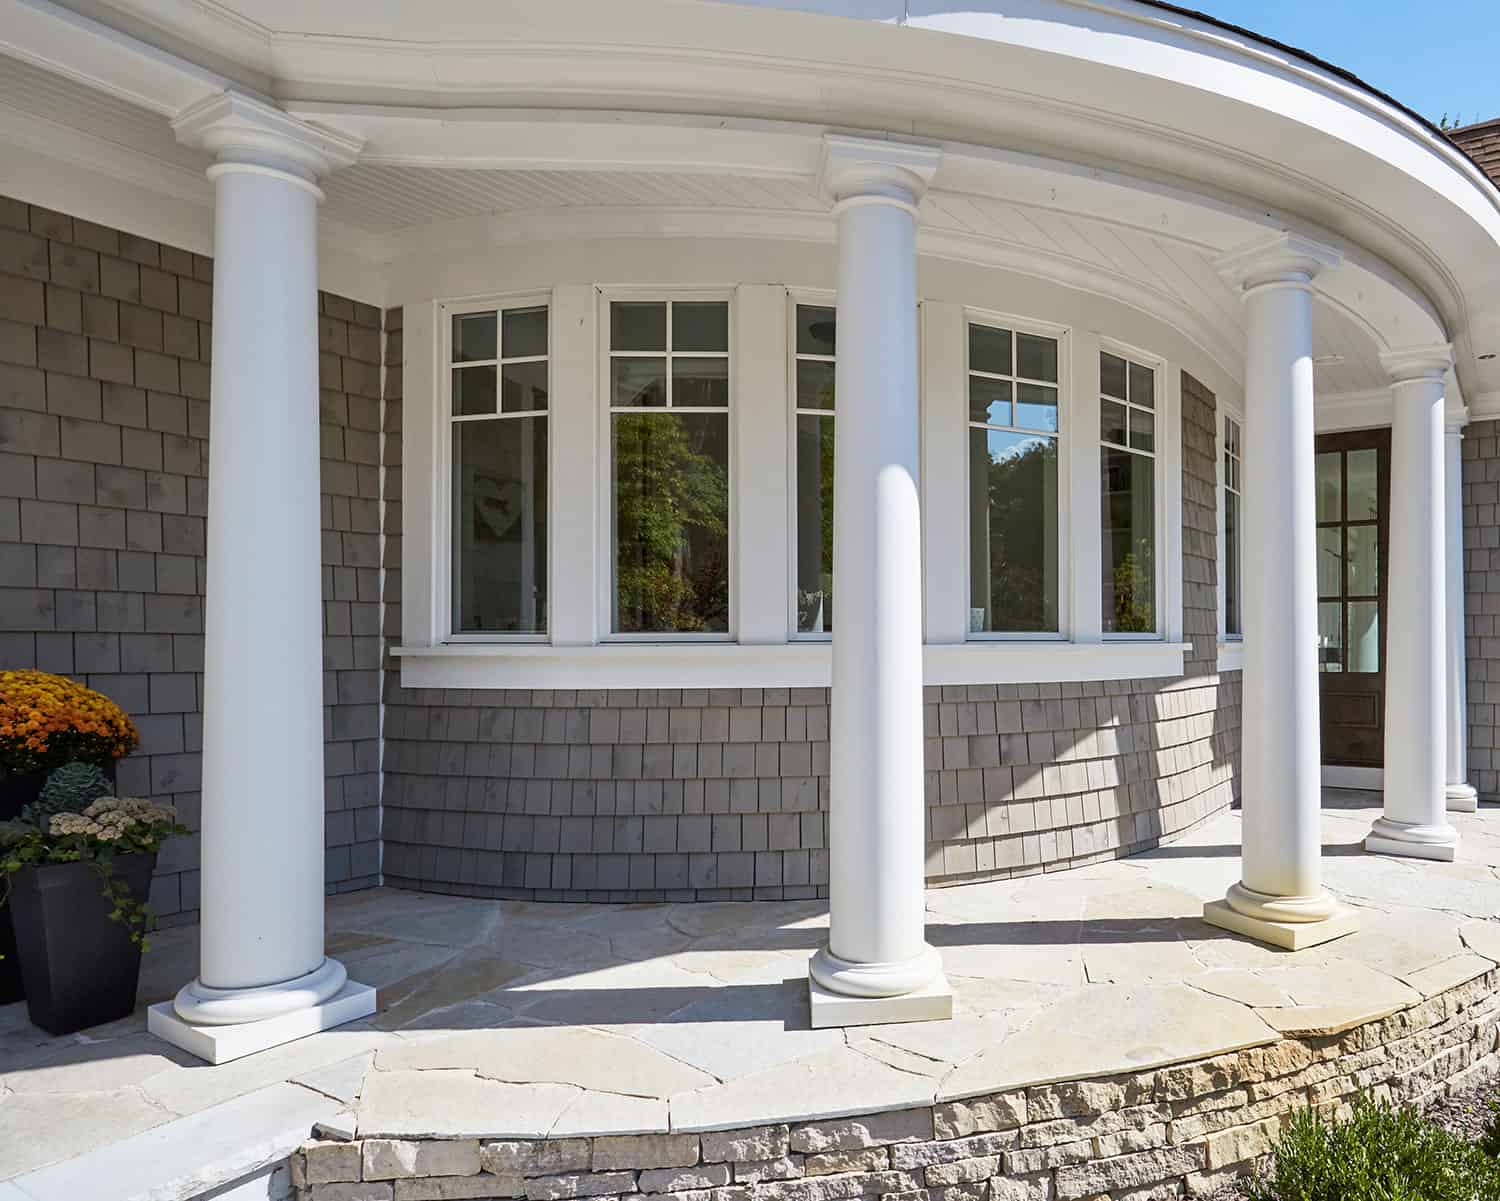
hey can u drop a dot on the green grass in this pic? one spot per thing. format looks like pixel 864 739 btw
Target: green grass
pixel 1379 1154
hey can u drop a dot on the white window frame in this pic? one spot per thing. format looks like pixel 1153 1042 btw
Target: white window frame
pixel 794 298
pixel 1166 458
pixel 1062 335
pixel 648 295
pixel 1231 646
pixel 443 515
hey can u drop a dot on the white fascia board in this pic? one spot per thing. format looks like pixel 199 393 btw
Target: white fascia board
pixel 786 665
pixel 92 53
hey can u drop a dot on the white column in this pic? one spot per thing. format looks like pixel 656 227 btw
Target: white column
pixel 1280 898
pixel 1462 798
pixel 1415 822
pixel 877 966
pixel 263 978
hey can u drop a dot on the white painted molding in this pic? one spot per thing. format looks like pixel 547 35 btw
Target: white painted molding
pixel 945 458
pixel 241 129
pixel 573 482
pixel 788 665
pixel 1285 258
pixel 423 494
pixel 760 475
pixel 1231 654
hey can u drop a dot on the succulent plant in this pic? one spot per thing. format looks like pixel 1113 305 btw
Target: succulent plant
pixel 70 788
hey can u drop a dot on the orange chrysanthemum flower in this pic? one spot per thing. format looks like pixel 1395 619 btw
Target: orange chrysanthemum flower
pixel 47 720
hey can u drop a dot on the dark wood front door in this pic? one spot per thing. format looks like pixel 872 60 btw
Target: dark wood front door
pixel 1354 487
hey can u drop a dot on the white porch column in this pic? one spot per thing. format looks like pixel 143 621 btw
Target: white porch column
pixel 263 978
pixel 877 966
pixel 1280 898
pixel 1416 718
pixel 1462 798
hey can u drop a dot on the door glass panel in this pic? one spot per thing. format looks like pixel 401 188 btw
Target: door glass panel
pixel 1363 497
pixel 1329 486
pixel 1364 562
pixel 1330 636
pixel 1330 561
pixel 1364 636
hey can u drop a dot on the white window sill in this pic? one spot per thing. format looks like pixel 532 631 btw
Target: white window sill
pixel 779 665
pixel 1232 655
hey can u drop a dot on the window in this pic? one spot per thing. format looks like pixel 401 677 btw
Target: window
pixel 669 436
pixel 813 363
pixel 497 374
pixel 1233 623
pixel 1127 433
pixel 1013 520
pixel 1348 499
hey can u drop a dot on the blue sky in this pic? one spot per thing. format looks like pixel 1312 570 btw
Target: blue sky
pixel 1436 57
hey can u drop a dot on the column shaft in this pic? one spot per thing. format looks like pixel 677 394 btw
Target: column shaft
pixel 1460 793
pixel 1415 821
pixel 876 826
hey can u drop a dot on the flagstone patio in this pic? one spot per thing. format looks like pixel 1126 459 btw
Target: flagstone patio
pixel 531 1020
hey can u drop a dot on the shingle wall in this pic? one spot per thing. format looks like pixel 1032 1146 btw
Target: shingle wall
pixel 723 793
pixel 1481 502
pixel 104 420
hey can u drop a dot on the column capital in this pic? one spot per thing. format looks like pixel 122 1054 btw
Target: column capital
pixel 875 170
pixel 244 132
pixel 1287 258
pixel 1455 418
pixel 1417 362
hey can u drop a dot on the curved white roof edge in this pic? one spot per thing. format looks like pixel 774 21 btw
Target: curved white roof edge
pixel 1108 96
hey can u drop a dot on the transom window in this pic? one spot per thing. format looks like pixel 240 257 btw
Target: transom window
pixel 1127 434
pixel 1233 620
pixel 813 366
pixel 668 381
pixel 1013 449
pixel 498 379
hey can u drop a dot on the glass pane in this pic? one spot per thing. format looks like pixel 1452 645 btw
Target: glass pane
pixel 1233 624
pixel 814 524
pixel 1128 502
pixel 1036 407
pixel 1330 486
pixel 523 332
pixel 1364 636
pixel 473 337
pixel 637 325
pixel 638 383
pixel 989 400
pixel 817 329
pixel 1364 564
pixel 699 325
pixel 671 518
pixel 500 525
pixel 1330 636
pixel 1364 500
pixel 1036 358
pixel 1112 375
pixel 1142 386
pixel 473 391
pixel 814 384
pixel 1231 437
pixel 523 387
pixel 1330 562
pixel 1142 430
pixel 1012 532
pixel 989 349
pixel 1112 422
pixel 700 383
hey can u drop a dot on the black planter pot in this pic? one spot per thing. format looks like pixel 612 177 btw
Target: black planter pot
pixel 78 966
pixel 16 792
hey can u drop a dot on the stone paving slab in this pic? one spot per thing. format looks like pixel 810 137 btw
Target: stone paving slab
pixel 527 1020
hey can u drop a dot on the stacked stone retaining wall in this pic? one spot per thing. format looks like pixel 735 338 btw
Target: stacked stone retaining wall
pixel 1183 1130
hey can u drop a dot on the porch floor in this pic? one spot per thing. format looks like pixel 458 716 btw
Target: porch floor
pixel 531 1019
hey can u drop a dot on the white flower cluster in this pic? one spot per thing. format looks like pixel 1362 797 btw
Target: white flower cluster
pixel 110 818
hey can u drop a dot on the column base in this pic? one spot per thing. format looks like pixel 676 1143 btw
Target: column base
pixel 1289 936
pixel 1413 840
pixel 933 1002
pixel 1462 798
pixel 220 1044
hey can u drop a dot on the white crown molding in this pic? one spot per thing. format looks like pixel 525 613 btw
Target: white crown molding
pixel 241 129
